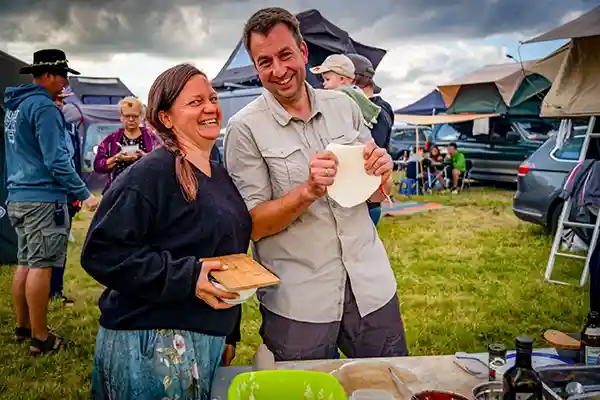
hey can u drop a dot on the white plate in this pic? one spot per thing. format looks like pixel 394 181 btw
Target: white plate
pixel 352 185
pixel 130 149
pixel 244 294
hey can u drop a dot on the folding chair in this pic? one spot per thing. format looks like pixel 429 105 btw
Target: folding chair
pixel 419 172
pixel 466 178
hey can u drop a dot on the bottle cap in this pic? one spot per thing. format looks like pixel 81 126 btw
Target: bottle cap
pixel 524 342
pixel 496 348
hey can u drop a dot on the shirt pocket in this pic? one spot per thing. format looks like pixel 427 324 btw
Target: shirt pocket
pixel 350 137
pixel 288 168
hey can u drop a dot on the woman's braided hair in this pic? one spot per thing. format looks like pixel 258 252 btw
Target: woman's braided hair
pixel 163 93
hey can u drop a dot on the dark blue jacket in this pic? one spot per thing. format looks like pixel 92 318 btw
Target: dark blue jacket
pixel 38 164
pixel 382 130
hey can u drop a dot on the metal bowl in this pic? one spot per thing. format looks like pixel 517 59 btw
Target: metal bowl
pixel 488 391
pixel 437 395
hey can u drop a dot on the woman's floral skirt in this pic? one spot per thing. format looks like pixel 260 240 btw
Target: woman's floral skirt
pixel 155 364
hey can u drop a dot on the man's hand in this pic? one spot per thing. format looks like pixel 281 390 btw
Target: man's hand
pixel 208 292
pixel 323 168
pixel 228 355
pixel 378 162
pixel 91 203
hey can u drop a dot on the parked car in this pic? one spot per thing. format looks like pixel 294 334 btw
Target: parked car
pixel 220 143
pixel 541 178
pixel 232 101
pixel 404 139
pixel 496 156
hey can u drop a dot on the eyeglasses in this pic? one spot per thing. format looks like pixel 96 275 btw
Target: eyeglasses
pixel 131 116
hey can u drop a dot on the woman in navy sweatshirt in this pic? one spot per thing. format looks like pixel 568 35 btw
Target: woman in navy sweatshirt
pixel 163 325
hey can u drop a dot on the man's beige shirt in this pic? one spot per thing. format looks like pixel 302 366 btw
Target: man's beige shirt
pixel 267 154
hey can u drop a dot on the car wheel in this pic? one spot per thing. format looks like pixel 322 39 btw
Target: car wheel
pixel 552 226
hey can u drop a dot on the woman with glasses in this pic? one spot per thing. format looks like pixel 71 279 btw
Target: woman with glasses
pixel 128 144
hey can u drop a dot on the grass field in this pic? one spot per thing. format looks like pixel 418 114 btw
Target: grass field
pixel 467 275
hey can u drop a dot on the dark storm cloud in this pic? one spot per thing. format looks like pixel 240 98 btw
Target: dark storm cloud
pixel 471 19
pixel 203 28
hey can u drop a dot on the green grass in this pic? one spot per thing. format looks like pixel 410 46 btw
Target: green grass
pixel 467 275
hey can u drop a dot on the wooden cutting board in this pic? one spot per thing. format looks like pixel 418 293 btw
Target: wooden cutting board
pixel 561 340
pixel 242 273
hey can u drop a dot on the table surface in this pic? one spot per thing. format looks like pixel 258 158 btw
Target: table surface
pixel 432 372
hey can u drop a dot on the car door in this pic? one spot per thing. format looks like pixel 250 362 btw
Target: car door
pixel 508 149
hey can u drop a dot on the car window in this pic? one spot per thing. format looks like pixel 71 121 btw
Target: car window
pixel 404 134
pixel 539 128
pixel 571 149
pixel 232 104
pixel 446 132
pixel 503 132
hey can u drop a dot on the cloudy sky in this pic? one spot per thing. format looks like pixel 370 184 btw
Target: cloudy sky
pixel 429 42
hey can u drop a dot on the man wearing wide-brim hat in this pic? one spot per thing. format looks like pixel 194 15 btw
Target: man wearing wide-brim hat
pixel 39 175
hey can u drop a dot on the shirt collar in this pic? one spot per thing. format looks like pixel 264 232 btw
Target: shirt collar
pixel 281 115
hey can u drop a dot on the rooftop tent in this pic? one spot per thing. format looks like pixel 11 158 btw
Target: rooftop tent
pixel 505 77
pixel 322 38
pixel 574 92
pixel 511 88
pixel 480 98
pixel 586 25
pixel 238 71
pixel 9 76
pixel 93 90
pixel 430 104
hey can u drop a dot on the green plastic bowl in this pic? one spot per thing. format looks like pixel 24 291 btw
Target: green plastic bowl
pixel 285 384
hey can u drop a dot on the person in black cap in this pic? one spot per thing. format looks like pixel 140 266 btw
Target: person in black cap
pixel 382 129
pixel 39 175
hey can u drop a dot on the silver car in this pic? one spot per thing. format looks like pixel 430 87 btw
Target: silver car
pixel 540 180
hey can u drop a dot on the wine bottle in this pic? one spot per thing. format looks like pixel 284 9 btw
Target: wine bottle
pixel 521 382
pixel 590 339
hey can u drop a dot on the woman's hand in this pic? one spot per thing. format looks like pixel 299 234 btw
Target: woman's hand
pixel 207 292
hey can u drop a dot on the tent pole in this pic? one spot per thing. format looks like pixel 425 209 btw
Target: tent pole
pixel 420 168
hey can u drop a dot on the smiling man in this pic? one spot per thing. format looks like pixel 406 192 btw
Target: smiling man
pixel 337 288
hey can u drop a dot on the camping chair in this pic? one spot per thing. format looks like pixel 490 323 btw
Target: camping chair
pixel 465 179
pixel 418 172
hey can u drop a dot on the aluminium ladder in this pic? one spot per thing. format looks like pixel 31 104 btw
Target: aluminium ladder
pixel 563 222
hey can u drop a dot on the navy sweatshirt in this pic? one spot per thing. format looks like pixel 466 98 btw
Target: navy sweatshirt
pixel 145 241
pixel 382 129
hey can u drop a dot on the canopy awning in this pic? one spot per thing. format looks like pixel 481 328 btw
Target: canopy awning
pixel 440 119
